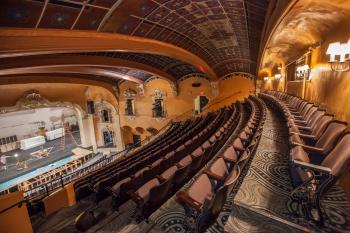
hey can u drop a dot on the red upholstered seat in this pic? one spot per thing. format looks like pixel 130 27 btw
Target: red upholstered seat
pixel 143 191
pixel 185 161
pixel 169 172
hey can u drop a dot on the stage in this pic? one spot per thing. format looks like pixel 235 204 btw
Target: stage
pixel 34 163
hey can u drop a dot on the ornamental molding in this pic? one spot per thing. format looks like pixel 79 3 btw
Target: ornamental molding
pixel 32 99
pixel 174 88
pixel 130 94
pixel 158 94
pixel 237 74
pixel 194 75
pixel 141 89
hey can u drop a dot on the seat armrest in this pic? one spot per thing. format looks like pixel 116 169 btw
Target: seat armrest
pixel 184 198
pixel 313 167
pixel 309 148
pixel 300 122
pixel 110 191
pixel 306 128
pixel 304 135
pixel 213 175
pixel 135 197
pixel 161 179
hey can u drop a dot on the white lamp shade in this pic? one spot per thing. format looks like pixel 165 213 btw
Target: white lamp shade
pixel 278 76
pixel 333 50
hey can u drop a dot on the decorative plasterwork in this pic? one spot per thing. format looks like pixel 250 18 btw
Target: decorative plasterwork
pixel 173 85
pixel 116 91
pixel 238 74
pixel 192 76
pixel 141 89
pixel 32 99
pixel 158 94
pixel 130 94
pixel 174 89
pixel 105 105
pixel 151 79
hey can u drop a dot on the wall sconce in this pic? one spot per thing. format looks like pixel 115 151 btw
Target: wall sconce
pixel 301 71
pixel 339 56
pixel 266 79
pixel 278 76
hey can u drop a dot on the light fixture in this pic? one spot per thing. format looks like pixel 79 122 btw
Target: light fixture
pixel 16 155
pixel 301 71
pixel 278 76
pixel 266 79
pixel 339 56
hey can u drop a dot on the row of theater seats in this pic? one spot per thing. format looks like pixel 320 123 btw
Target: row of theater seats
pixel 182 163
pixel 150 175
pixel 319 150
pixel 83 187
pixel 204 199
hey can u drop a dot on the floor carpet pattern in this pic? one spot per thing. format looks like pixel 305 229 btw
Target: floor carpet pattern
pixel 266 188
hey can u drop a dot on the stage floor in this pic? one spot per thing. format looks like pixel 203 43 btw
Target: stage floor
pixel 35 163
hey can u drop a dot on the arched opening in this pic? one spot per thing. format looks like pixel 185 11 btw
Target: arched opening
pixel 108 137
pixel 130 97
pixel 200 102
pixel 127 136
pixel 106 116
pixel 152 130
pixel 158 105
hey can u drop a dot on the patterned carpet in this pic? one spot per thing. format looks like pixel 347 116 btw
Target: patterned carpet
pixel 266 188
pixel 260 202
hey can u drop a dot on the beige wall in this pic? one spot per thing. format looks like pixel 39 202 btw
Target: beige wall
pixel 178 107
pixel 175 105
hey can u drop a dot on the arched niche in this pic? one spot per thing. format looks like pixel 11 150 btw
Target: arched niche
pixel 159 103
pixel 130 102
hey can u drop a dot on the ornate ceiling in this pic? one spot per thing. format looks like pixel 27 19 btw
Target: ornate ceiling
pixel 173 67
pixel 224 33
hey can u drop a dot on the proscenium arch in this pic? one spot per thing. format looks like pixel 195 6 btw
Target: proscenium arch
pixel 20 42
pixel 65 59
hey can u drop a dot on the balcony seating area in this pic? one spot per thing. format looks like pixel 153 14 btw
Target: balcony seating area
pixel 194 150
pixel 85 186
pixel 319 150
pixel 204 198
pixel 151 175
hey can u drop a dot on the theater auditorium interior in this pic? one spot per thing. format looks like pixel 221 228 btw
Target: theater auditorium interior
pixel 149 116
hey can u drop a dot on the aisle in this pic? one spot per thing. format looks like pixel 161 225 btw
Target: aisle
pixel 262 202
